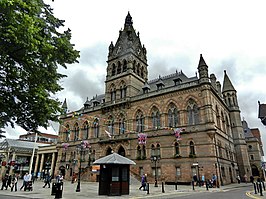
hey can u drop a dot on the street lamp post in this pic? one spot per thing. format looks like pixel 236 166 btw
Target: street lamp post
pixel 155 159
pixel 81 148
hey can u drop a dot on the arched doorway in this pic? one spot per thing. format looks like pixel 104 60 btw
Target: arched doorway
pixel 121 151
pixel 109 151
pixel 231 175
pixel 255 171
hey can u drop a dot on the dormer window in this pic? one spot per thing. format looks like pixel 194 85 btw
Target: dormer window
pixel 177 81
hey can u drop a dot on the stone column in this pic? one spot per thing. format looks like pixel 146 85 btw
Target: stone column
pixel 36 165
pixel 52 165
pixel 41 165
pixel 13 159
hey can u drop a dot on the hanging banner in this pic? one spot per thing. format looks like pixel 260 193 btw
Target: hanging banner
pixel 142 138
pixel 177 133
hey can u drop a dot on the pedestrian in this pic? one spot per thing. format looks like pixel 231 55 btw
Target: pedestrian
pixel 202 180
pixel 9 181
pixel 195 179
pixel 47 180
pixel 26 179
pixel 214 180
pixel 251 179
pixel 4 181
pixel 245 178
pixel 14 182
pixel 143 182
pixel 238 179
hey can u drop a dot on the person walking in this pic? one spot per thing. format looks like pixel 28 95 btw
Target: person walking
pixel 47 180
pixel 143 182
pixel 14 182
pixel 238 179
pixel 26 179
pixel 4 181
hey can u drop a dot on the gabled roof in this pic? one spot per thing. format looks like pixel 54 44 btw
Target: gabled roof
pixel 114 158
pixel 14 143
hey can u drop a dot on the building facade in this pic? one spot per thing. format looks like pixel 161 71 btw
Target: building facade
pixel 173 127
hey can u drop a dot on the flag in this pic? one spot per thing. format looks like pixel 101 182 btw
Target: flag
pixel 177 132
pixel 109 134
pixel 142 138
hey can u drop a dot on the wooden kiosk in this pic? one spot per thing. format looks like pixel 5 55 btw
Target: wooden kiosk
pixel 114 175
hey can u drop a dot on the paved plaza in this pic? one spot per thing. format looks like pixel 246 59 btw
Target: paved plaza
pixel 90 190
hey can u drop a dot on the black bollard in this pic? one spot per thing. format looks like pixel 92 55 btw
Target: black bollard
pixel 207 185
pixel 260 189
pixel 193 188
pixel 148 188
pixel 255 189
pixel 175 186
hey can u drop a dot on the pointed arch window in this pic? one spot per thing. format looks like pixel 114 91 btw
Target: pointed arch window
pixel 96 129
pixel 143 152
pixel 113 94
pixel 111 125
pixel 122 126
pixel 177 150
pixel 172 117
pixel 153 150
pixel 86 129
pixel 138 152
pixel 124 66
pixel 76 132
pixel 123 91
pixel 119 68
pixel 223 122
pixel 158 150
pixel 67 133
pixel 156 123
pixel 113 69
pixel 192 148
pixel 218 122
pixel 193 113
pixel 140 122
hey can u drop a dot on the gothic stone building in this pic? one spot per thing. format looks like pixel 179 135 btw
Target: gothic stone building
pixel 212 137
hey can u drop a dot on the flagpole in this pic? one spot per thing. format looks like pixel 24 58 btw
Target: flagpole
pixel 33 152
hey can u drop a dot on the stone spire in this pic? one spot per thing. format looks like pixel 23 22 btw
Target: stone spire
pixel 227 85
pixel 203 70
pixel 64 106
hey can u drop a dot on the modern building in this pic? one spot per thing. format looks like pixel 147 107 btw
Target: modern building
pixel 173 127
pixel 41 137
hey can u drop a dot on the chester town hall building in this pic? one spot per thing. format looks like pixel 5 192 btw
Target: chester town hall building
pixel 192 125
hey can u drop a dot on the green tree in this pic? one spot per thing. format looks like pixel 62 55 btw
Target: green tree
pixel 32 47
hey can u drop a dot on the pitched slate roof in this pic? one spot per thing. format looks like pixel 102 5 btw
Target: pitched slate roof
pixel 114 158
pixel 15 143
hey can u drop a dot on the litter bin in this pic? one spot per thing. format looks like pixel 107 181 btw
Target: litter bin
pixel 53 188
pixel 58 190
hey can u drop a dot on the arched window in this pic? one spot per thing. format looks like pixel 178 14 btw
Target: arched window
pixel 156 123
pixel 141 73
pixel 158 150
pixel 177 151
pixel 172 117
pixel 140 122
pixel 111 125
pixel 218 118
pixel 76 132
pixel 109 151
pixel 122 126
pixel 143 152
pixel 96 129
pixel 153 150
pixel 192 148
pixel 138 152
pixel 223 122
pixel 193 113
pixel 124 66
pixel 86 129
pixel 113 70
pixel 119 68
pixel 67 133
pixel 113 94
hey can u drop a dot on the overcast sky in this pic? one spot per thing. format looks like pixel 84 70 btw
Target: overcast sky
pixel 229 34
